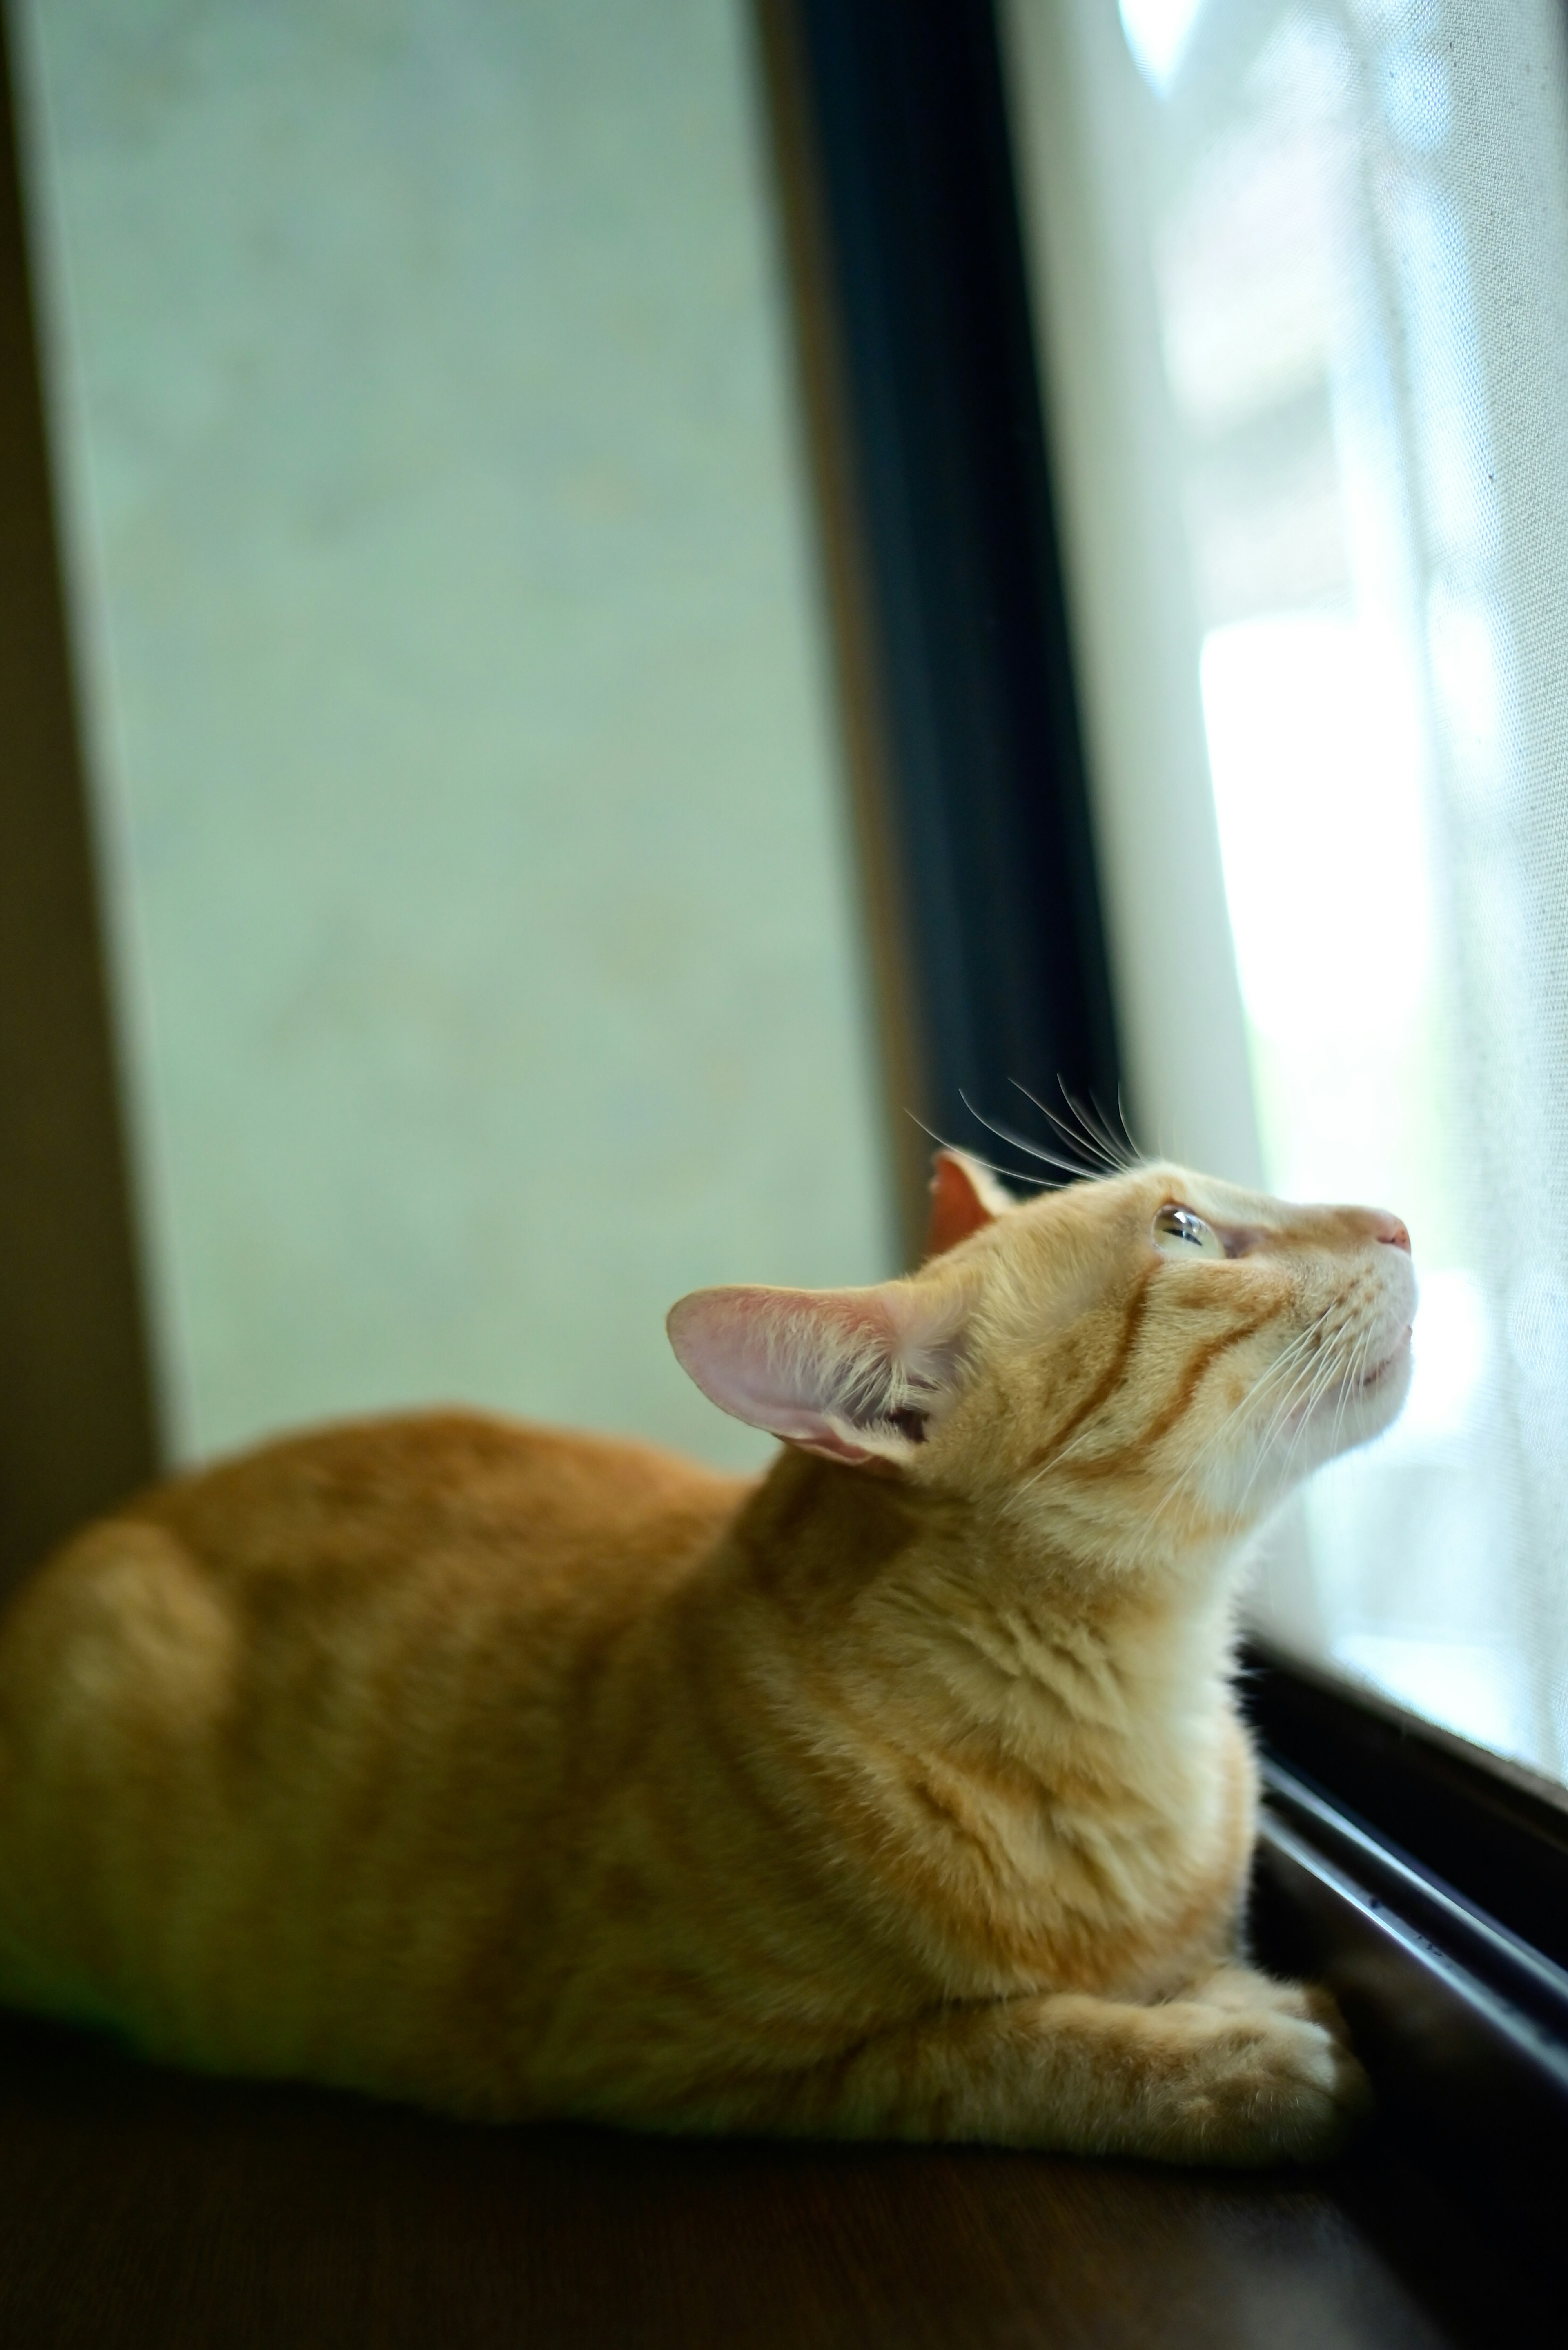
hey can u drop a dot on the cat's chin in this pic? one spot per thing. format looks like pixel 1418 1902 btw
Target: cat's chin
pixel 1391 1377
pixel 1348 1417
pixel 1336 1422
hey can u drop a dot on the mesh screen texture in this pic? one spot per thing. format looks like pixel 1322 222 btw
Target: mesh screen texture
pixel 1356 226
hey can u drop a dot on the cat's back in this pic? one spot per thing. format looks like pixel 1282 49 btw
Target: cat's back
pixel 450 1495
pixel 314 1664
pixel 340 1573
pixel 454 1504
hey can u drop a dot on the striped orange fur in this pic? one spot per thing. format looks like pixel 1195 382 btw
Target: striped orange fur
pixel 899 1793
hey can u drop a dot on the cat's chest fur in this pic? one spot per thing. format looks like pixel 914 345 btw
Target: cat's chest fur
pixel 1021 1793
pixel 1063 1872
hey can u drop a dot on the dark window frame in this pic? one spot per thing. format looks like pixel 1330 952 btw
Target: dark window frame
pixel 79 1425
pixel 1425 1882
pixel 944 568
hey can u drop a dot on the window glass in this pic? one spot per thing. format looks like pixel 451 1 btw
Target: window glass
pixel 1335 369
pixel 486 949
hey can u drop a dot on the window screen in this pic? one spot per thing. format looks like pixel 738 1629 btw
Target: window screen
pixel 1304 277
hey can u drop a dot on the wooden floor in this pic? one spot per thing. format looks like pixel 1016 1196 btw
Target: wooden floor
pixel 139 2206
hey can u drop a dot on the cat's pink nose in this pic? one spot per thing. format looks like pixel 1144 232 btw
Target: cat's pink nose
pixel 1389 1229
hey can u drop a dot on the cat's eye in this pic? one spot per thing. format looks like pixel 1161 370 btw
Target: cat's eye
pixel 1180 1233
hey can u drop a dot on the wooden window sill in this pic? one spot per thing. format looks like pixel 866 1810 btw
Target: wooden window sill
pixel 143 2207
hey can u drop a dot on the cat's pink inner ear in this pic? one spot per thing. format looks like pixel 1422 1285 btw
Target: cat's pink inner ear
pixel 964 1199
pixel 829 1369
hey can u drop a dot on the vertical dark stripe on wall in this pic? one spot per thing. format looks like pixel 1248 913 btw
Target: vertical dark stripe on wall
pixel 76 1400
pixel 891 127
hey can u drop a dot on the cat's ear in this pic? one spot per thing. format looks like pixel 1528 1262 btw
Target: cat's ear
pixel 965 1197
pixel 855 1374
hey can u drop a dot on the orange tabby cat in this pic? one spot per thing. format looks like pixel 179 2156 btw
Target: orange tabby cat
pixel 899 1793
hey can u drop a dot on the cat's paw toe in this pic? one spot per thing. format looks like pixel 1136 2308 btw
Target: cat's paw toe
pixel 1275 2087
pixel 1242 1990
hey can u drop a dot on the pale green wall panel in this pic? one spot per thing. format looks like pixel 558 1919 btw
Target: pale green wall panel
pixel 481 890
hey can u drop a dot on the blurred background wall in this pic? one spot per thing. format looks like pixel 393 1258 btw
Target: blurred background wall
pixel 482 915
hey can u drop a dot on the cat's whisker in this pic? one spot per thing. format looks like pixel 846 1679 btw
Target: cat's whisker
pixel 1289 1361
pixel 1294 1364
pixel 1298 1397
pixel 1088 1143
pixel 1301 1367
pixel 1353 1379
pixel 1136 1158
pixel 1295 1367
pixel 1250 1401
pixel 1334 1366
pixel 1081 1131
pixel 1323 1371
pixel 1095 1122
pixel 1072 1167
pixel 1247 1403
pixel 1007 1174
pixel 1307 1373
pixel 1352 1372
pixel 1077 1131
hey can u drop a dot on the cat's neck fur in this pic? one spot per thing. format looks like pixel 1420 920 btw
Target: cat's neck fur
pixel 1009 1640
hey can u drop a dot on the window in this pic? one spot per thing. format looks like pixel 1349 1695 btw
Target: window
pixel 1303 278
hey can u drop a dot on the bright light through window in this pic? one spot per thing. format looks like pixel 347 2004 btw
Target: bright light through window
pixel 1329 298
pixel 1158 33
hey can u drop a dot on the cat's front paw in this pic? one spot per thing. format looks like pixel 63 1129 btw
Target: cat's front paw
pixel 1268 2086
pixel 1241 1990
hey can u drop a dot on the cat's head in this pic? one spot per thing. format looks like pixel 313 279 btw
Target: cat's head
pixel 1142 1362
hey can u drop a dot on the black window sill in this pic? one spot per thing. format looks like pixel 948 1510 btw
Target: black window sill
pixel 1427 1887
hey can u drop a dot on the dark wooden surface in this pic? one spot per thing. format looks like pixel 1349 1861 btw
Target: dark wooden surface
pixel 141 2207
